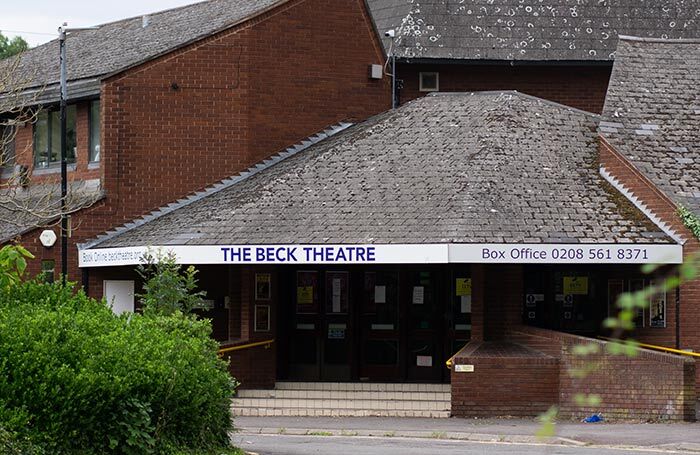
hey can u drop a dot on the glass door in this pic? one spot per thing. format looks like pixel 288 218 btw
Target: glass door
pixel 337 328
pixel 307 325
pixel 379 323
pixel 424 326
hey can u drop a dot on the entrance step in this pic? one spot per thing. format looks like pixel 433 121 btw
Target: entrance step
pixel 327 399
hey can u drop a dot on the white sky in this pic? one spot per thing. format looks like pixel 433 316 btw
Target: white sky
pixel 43 17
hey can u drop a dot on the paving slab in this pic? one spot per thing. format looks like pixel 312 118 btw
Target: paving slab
pixel 668 436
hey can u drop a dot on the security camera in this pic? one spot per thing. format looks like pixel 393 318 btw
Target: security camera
pixel 390 33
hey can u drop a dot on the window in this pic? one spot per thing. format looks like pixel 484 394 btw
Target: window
pixel 7 146
pixel 47 270
pixel 94 131
pixel 47 137
pixel 429 82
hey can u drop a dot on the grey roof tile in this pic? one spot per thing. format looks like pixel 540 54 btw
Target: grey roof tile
pixel 121 44
pixel 529 30
pixel 657 82
pixel 462 168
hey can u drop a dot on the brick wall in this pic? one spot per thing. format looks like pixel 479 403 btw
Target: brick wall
pixel 213 108
pixel 508 380
pixel 582 87
pixel 648 386
pixel 663 207
pixel 503 297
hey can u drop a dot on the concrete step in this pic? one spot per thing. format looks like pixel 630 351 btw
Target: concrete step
pixel 364 386
pixel 344 395
pixel 325 399
pixel 306 412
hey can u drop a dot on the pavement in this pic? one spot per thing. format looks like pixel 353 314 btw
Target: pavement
pixel 679 437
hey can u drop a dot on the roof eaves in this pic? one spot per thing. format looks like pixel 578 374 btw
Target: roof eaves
pixel 659 40
pixel 194 40
pixel 217 187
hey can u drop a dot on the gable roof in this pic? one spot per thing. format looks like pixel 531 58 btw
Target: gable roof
pixel 118 45
pixel 652 113
pixel 542 30
pixel 494 167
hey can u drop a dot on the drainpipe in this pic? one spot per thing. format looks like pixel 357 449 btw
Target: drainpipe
pixel 678 317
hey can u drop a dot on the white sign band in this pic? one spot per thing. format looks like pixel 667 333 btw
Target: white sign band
pixel 393 254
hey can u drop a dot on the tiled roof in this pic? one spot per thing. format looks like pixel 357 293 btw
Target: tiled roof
pixel 652 113
pixel 118 45
pixel 535 30
pixel 450 168
pixel 37 206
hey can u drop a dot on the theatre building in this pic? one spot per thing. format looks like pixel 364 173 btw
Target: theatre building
pixel 474 228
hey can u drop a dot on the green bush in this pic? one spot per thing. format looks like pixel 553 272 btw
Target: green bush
pixel 75 378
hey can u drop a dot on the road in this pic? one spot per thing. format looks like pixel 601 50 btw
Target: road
pixel 359 445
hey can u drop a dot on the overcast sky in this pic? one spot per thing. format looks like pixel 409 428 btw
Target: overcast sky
pixel 43 17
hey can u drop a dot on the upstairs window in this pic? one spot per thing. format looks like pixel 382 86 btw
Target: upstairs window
pixel 94 131
pixel 429 82
pixel 7 146
pixel 47 137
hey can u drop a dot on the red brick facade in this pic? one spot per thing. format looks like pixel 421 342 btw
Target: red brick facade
pixel 582 87
pixel 206 111
pixel 664 208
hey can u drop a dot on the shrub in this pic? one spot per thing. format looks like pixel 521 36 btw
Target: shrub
pixel 166 287
pixel 75 378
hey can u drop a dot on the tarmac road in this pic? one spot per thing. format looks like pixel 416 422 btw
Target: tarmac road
pixel 360 445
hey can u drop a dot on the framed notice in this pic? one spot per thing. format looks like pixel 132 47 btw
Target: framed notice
pixel 262 318
pixel 657 310
pixel 263 286
pixel 307 292
pixel 337 292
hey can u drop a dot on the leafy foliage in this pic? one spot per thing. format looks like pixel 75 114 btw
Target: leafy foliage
pixel 77 379
pixel 10 47
pixel 13 263
pixel 167 289
pixel 690 220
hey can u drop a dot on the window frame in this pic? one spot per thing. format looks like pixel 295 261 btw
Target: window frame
pixel 8 153
pixel 49 113
pixel 91 124
pixel 421 85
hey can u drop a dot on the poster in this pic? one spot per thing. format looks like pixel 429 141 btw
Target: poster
pixel 418 295
pixel 465 304
pixel 657 310
pixel 337 292
pixel 307 292
pixel 424 361
pixel 576 285
pixel 262 286
pixel 262 318
pixel 463 287
pixel 380 294
pixel 336 295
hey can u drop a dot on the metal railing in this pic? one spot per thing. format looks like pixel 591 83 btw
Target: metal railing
pixel 240 347
pixel 653 346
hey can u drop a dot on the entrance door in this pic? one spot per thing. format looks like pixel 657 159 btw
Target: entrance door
pixel 425 326
pixel 336 344
pixel 379 327
pixel 321 333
